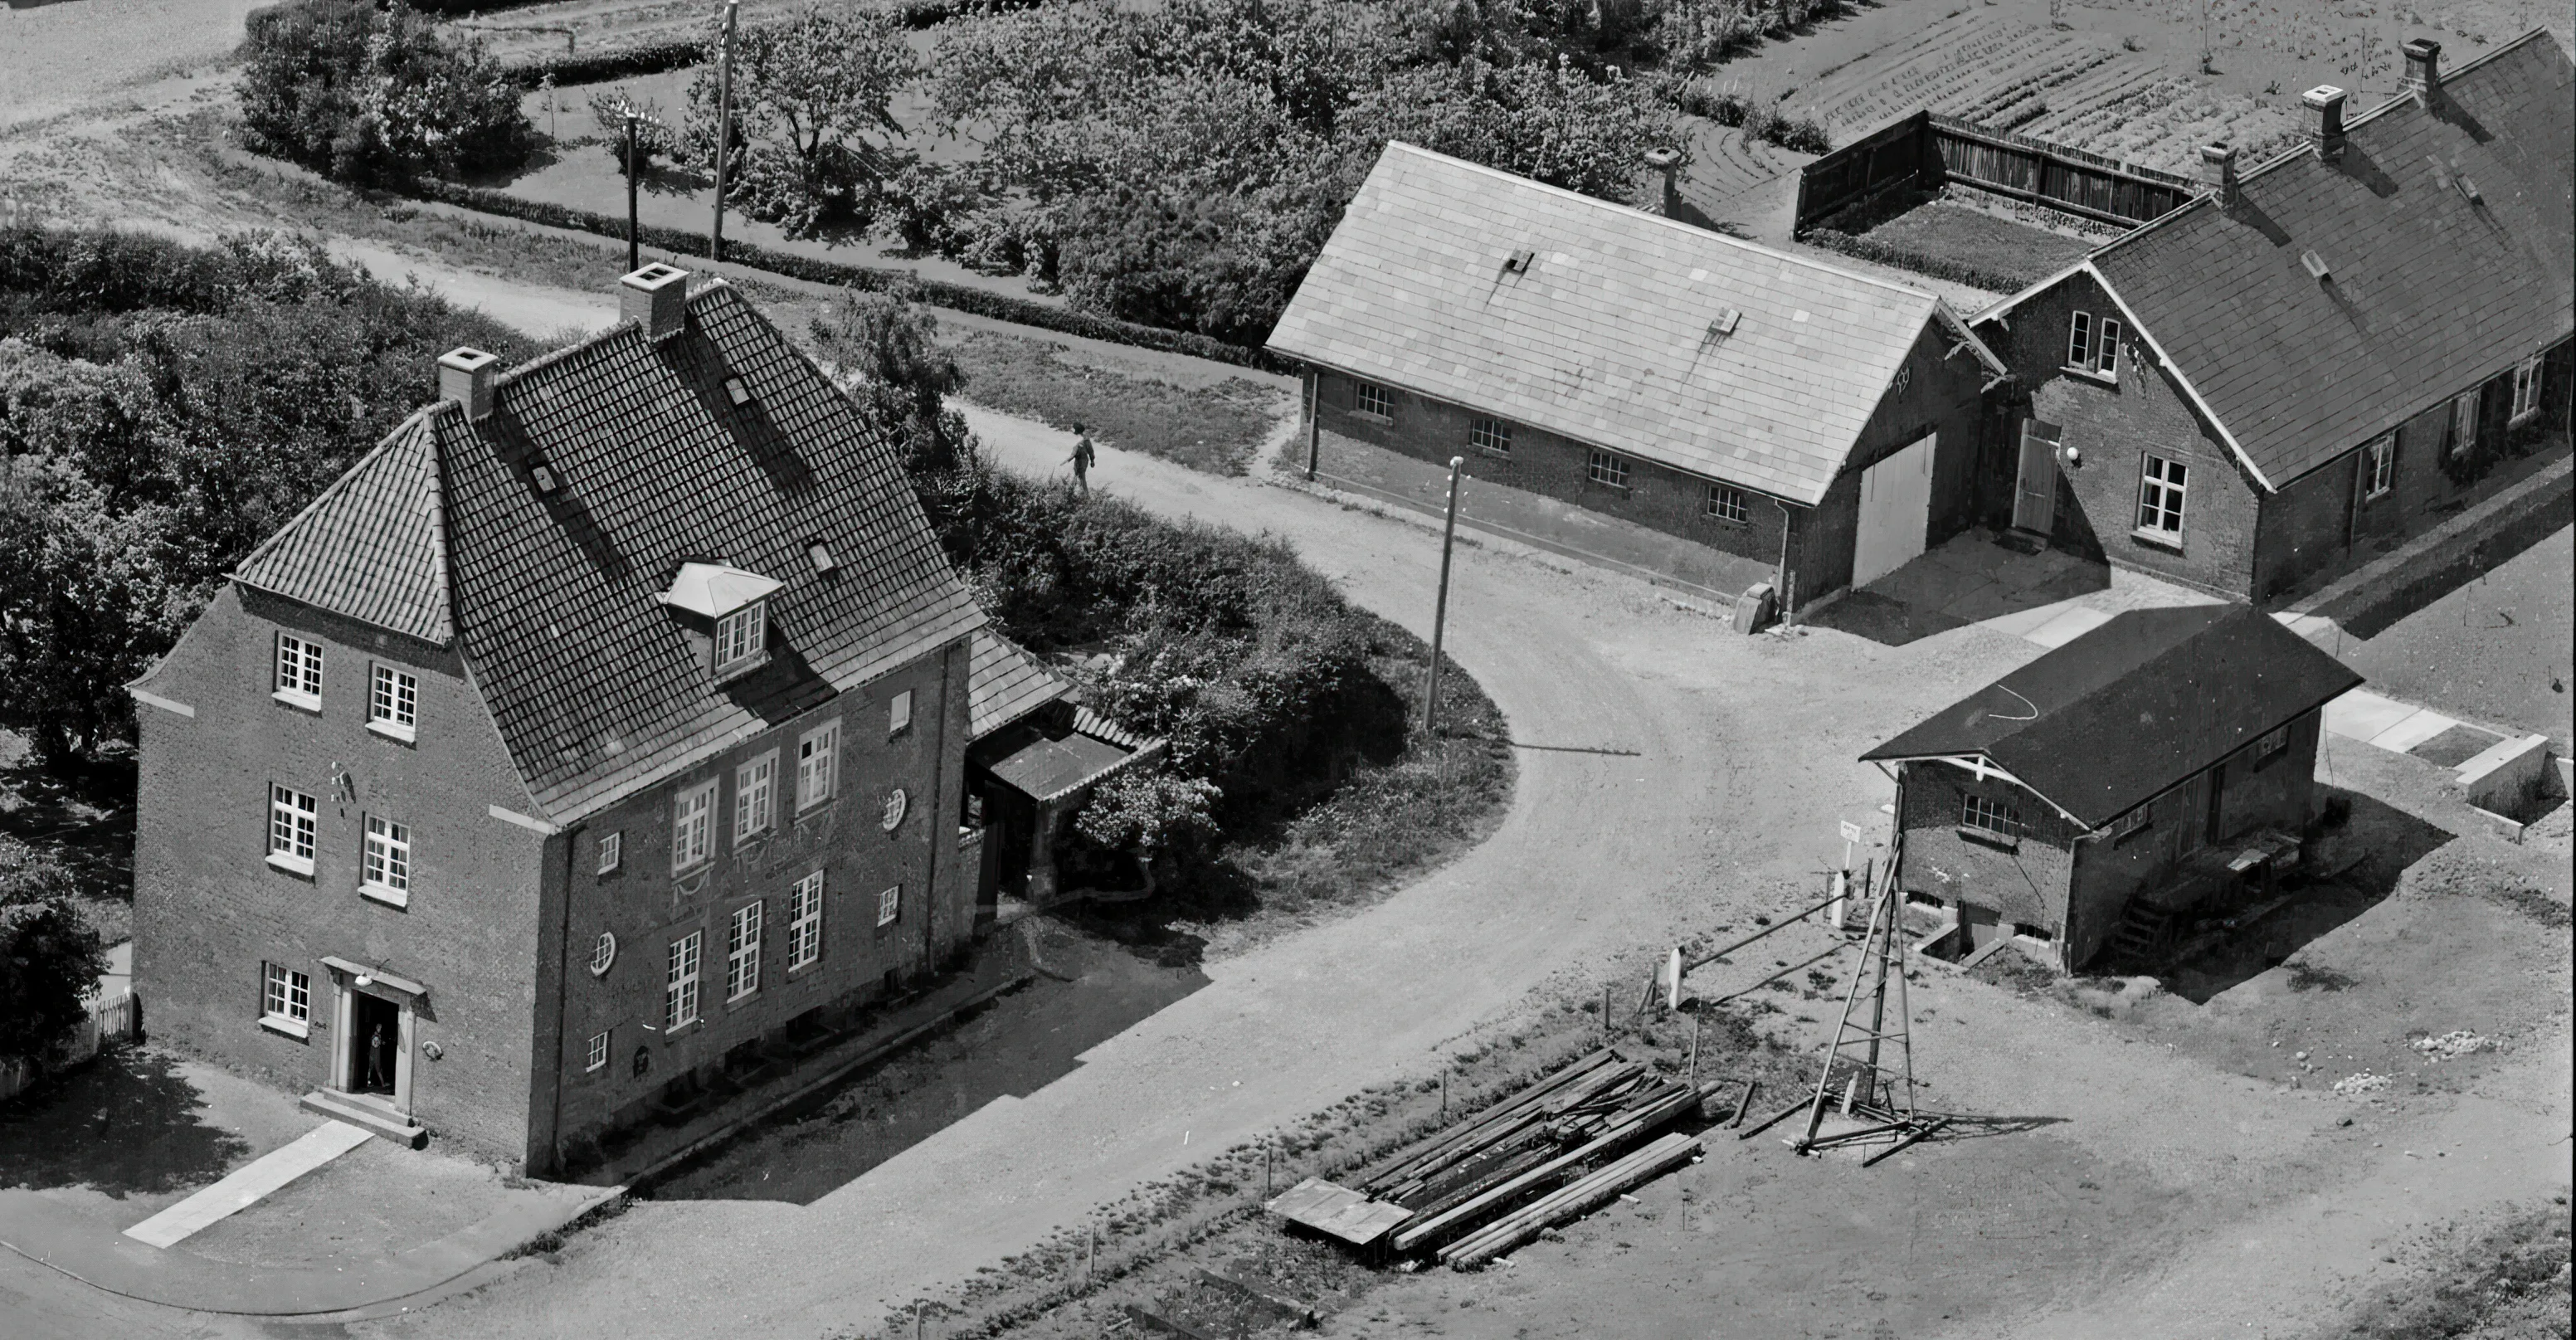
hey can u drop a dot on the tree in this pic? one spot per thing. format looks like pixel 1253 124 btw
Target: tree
pixel 653 137
pixel 367 95
pixel 886 350
pixel 50 957
pixel 807 96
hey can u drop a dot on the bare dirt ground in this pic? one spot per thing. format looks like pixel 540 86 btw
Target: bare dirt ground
pixel 55 57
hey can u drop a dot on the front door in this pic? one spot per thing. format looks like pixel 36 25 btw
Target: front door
pixel 375 1044
pixel 2035 490
pixel 1895 511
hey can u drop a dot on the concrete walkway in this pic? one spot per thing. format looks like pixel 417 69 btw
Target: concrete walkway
pixel 247 1185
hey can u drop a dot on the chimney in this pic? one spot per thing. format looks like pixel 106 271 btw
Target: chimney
pixel 2423 70
pixel 2325 130
pixel 656 298
pixel 465 376
pixel 2218 173
pixel 1668 162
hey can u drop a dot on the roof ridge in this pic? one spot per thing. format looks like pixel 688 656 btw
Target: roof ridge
pixel 1794 258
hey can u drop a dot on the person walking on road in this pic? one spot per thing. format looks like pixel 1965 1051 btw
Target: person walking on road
pixel 1082 458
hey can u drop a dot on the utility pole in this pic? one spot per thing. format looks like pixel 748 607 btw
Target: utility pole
pixel 1440 610
pixel 1314 420
pixel 634 247
pixel 724 127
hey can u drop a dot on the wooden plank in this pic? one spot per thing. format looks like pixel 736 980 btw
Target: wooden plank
pixel 1659 1158
pixel 1397 1162
pixel 1776 1118
pixel 1921 1133
pixel 1466 1213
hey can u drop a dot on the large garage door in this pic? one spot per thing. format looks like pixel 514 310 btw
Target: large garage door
pixel 1895 512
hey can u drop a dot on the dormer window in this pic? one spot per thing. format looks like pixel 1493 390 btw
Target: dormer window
pixel 734 605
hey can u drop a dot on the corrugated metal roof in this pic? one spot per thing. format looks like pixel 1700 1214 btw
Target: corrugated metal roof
pixel 372 546
pixel 1005 684
pixel 1606 335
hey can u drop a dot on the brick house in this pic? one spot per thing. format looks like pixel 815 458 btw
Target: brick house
pixel 1816 421
pixel 2140 772
pixel 2319 357
pixel 606 720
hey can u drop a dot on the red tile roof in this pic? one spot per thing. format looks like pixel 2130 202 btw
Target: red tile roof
pixel 595 686
pixel 2429 292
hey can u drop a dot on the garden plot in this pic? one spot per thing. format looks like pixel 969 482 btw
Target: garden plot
pixel 600 27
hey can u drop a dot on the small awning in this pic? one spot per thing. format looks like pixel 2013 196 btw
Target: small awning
pixel 1048 769
pixel 1340 1211
pixel 376 977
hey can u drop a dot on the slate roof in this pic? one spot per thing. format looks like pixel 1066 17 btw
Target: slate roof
pixel 2134 707
pixel 372 546
pixel 1004 684
pixel 596 687
pixel 1606 337
pixel 2429 293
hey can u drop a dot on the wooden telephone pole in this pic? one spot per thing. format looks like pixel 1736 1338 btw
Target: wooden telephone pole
pixel 724 127
pixel 1440 610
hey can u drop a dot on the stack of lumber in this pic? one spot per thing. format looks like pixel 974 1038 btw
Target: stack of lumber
pixel 1539 1152
pixel 1582 1198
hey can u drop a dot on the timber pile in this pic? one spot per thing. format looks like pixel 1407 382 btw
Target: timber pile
pixel 1534 1160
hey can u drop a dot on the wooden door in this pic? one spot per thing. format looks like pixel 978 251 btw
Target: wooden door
pixel 2035 488
pixel 1895 511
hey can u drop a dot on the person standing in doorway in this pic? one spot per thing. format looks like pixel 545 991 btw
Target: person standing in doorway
pixel 376 1058
pixel 1082 458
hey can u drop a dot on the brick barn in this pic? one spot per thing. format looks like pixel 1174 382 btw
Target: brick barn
pixel 2138 774
pixel 606 720
pixel 2326 353
pixel 1821 423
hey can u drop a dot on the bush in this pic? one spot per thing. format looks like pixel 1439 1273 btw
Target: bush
pixel 368 95
pixel 50 959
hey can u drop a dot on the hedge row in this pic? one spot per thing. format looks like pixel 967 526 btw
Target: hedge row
pixel 1993 281
pixel 959 297
pixel 656 57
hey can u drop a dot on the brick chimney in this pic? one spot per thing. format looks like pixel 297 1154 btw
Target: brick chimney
pixel 656 298
pixel 2423 70
pixel 2325 124
pixel 1668 162
pixel 2218 173
pixel 465 376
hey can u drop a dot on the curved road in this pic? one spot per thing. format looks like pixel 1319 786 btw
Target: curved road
pixel 1657 788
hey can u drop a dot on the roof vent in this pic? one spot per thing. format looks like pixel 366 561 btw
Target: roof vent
pixel 545 477
pixel 1725 322
pixel 2316 264
pixel 737 391
pixel 1519 262
pixel 2470 189
pixel 656 298
pixel 820 555
pixel 465 376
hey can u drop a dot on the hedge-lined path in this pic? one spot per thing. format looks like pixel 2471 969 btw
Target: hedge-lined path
pixel 1671 771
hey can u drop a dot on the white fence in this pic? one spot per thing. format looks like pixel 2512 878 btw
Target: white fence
pixel 111 1021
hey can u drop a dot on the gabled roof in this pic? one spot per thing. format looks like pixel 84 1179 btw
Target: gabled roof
pixel 555 594
pixel 713 590
pixel 1004 684
pixel 372 546
pixel 1606 335
pixel 2134 707
pixel 2428 291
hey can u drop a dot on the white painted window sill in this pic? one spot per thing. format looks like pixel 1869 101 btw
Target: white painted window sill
pixel 2162 539
pixel 395 731
pixel 293 1028
pixel 2090 375
pixel 389 897
pixel 291 864
pixel 310 702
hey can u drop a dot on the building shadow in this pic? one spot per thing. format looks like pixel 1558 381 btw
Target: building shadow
pixel 1974 577
pixel 2356 864
pixel 1882 619
pixel 126 1124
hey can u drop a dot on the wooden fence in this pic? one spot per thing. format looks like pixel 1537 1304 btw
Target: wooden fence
pixel 112 1020
pixel 1925 151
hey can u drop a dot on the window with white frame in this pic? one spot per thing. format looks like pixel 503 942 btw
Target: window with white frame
pixel 1605 468
pixel 1492 435
pixel 2106 352
pixel 889 903
pixel 741 637
pixel 1372 398
pixel 1729 503
pixel 387 874
pixel 1992 817
pixel 393 702
pixel 612 852
pixel 693 819
pixel 899 713
pixel 805 922
pixel 2379 465
pixel 680 981
pixel 598 1057
pixel 742 952
pixel 2464 422
pixel 2526 388
pixel 815 753
pixel 299 671
pixel 603 953
pixel 2079 341
pixel 293 818
pixel 285 998
pixel 755 796
pixel 2160 495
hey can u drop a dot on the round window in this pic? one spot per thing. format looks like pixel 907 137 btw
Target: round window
pixel 603 952
pixel 894 809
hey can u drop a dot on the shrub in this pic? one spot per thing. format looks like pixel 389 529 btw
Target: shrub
pixel 654 137
pixel 368 95
pixel 50 959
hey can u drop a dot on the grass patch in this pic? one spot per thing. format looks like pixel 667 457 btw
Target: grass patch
pixel 1215 429
pixel 2509 1282
pixel 1980 241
